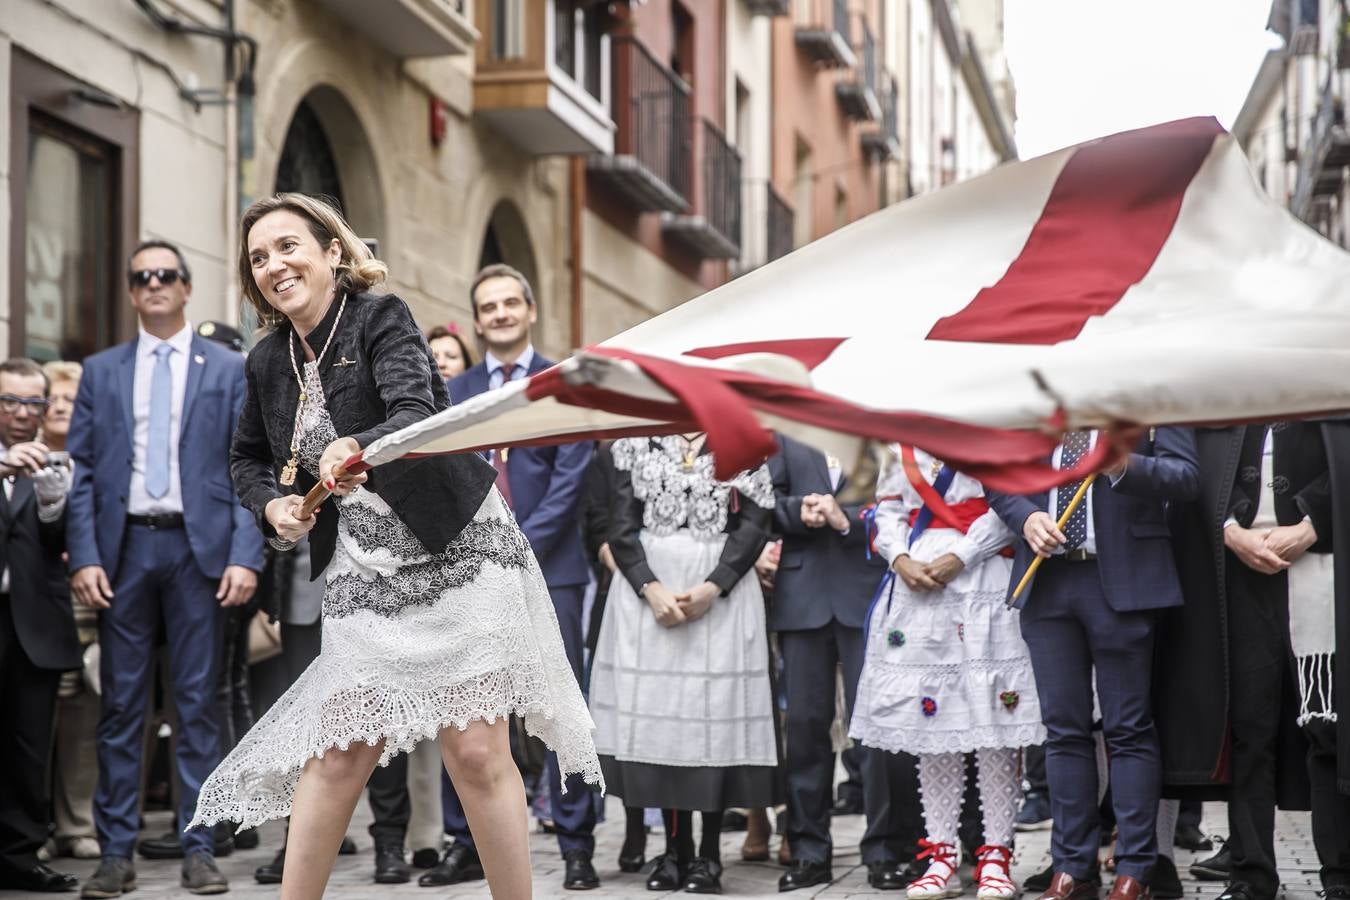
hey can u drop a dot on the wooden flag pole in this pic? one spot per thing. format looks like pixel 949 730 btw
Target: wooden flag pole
pixel 1077 498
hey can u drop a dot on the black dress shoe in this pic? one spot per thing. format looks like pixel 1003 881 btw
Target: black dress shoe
pixel 1165 883
pixel 347 847
pixel 579 874
pixel 734 820
pixel 271 873
pixel 246 839
pixel 847 806
pixel 1190 837
pixel 168 845
pixel 704 876
pixel 804 873
pixel 631 858
pixel 888 875
pixel 426 858
pixel 38 879
pixel 666 876
pixel 1040 882
pixel 391 865
pixel 1237 890
pixel 1215 868
pixel 460 863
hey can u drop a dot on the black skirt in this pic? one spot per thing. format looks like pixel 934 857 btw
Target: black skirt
pixel 706 789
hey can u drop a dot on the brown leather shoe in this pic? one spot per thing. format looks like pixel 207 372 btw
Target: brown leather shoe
pixel 1127 888
pixel 757 831
pixel 1063 887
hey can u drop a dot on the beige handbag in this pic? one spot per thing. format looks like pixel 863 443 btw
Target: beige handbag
pixel 264 638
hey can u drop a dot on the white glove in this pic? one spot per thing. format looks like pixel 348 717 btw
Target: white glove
pixel 51 483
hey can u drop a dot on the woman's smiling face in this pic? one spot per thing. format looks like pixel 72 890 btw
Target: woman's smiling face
pixel 292 271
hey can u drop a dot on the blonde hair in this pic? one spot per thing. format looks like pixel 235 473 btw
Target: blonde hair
pixel 357 270
pixel 62 370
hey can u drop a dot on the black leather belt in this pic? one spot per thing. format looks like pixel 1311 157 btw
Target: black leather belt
pixel 1079 555
pixel 159 521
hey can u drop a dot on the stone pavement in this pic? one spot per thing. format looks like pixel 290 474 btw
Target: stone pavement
pixel 352 877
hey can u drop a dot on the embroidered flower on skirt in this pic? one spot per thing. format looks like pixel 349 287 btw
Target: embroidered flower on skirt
pixel 1009 699
pixel 896 638
pixel 929 706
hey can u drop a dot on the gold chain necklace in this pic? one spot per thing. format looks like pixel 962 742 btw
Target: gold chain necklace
pixel 297 432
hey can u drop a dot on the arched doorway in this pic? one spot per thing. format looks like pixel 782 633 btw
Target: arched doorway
pixel 507 240
pixel 326 153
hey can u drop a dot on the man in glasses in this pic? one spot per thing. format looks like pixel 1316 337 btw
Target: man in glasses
pixel 155 534
pixel 37 631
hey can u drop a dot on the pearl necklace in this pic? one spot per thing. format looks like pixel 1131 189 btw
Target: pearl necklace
pixel 288 472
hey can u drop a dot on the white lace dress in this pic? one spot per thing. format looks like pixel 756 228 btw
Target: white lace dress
pixel 944 671
pixel 412 642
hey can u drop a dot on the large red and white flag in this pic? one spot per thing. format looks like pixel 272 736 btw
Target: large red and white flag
pixel 1141 278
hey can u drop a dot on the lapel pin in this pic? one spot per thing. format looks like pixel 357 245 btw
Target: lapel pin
pixel 199 359
pixel 344 361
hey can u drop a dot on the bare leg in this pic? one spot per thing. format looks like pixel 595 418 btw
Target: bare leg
pixel 320 813
pixel 488 783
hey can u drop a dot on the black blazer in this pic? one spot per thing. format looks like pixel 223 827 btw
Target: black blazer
pixel 39 593
pixel 391 381
pixel 822 575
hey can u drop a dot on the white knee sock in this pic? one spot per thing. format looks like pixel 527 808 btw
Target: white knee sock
pixel 999 792
pixel 942 783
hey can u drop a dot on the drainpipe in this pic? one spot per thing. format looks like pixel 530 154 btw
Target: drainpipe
pixel 577 205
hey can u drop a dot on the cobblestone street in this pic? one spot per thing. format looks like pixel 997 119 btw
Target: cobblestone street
pixel 352 878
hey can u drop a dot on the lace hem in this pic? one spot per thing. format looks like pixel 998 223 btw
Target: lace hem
pixel 256 783
pixel 967 740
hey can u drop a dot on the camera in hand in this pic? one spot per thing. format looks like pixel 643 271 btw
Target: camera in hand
pixel 58 459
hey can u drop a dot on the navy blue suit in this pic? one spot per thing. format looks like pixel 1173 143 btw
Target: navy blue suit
pixel 157 574
pixel 546 485
pixel 820 598
pixel 1098 615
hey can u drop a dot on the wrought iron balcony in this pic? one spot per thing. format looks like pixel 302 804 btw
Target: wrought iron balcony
pixel 713 229
pixel 410 28
pixel 781 223
pixel 650 165
pixel 883 142
pixel 857 91
pixel 822 32
pixel 1321 167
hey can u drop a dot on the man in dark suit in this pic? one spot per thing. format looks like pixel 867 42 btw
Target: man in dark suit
pixel 37 628
pixel 1091 610
pixel 542 485
pixel 824 585
pixel 156 534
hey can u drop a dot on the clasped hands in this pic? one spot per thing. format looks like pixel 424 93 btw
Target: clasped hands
pixel 673 609
pixel 819 510
pixel 1269 550
pixel 282 512
pixel 927 576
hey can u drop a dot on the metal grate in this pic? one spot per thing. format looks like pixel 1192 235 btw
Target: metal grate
pixel 780 225
pixel 721 183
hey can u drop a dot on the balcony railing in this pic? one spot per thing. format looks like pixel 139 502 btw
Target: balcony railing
pixel 652 151
pixel 823 34
pixel 1320 167
pixel 884 142
pixel 780 225
pixel 857 93
pixel 769 7
pixel 714 229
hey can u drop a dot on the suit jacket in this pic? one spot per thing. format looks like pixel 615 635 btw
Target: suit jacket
pixel 822 575
pixel 386 380
pixel 39 593
pixel 219 531
pixel 546 485
pixel 1134 551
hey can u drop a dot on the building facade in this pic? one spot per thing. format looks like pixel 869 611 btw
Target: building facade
pixel 625 156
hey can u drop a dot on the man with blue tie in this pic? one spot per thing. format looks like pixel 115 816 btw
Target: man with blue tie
pixel 1090 612
pixel 542 485
pixel 156 534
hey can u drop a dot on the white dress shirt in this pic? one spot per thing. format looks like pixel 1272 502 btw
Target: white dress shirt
pixel 140 503
pixel 494 367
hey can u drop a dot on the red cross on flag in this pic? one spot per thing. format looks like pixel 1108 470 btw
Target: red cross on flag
pixel 1142 278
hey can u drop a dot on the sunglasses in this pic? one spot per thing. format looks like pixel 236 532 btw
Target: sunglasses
pixel 141 277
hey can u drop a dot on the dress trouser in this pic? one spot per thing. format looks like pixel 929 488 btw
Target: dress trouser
pixel 891 798
pixel 1070 630
pixel 27 710
pixel 158 579
pixel 1330 807
pixel 235 709
pixel 75 765
pixel 1033 761
pixel 574 813
pixel 1258 657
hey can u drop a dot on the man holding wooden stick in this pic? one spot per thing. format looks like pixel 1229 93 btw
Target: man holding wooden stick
pixel 1089 610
